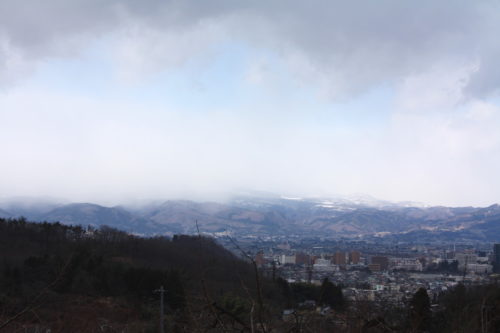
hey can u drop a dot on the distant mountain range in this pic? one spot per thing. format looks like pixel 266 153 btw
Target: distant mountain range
pixel 359 217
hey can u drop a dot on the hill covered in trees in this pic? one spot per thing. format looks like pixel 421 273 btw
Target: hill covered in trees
pixel 73 279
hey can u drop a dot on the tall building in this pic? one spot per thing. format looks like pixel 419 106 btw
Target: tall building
pixel 339 258
pixel 284 259
pixel 302 259
pixel 382 261
pixel 374 267
pixel 465 259
pixel 354 257
pixel 496 257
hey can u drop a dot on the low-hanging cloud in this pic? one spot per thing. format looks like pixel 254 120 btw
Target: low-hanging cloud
pixel 438 141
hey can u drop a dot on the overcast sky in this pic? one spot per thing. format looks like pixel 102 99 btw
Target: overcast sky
pixel 110 101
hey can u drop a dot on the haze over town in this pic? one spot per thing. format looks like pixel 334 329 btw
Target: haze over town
pixel 123 101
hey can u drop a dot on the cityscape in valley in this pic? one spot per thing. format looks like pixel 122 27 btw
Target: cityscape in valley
pixel 371 270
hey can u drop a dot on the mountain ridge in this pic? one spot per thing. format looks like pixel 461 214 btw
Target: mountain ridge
pixel 271 216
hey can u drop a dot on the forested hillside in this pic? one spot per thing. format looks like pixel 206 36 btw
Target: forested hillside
pixel 73 279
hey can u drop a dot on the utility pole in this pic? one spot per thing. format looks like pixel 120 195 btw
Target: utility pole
pixel 162 292
pixel 465 269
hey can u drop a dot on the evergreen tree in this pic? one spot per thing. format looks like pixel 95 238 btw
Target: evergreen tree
pixel 331 295
pixel 420 310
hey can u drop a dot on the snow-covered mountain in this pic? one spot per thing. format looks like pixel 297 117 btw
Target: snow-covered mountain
pixel 356 217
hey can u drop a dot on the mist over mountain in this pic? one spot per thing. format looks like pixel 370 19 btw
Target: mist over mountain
pixel 92 214
pixel 5 214
pixel 30 207
pixel 360 217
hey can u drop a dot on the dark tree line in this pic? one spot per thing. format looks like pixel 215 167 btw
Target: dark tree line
pixel 444 267
pixel 328 294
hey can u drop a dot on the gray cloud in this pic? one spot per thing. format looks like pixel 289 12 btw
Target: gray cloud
pixel 346 47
